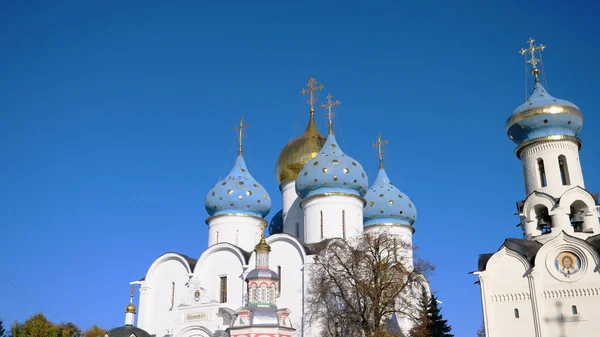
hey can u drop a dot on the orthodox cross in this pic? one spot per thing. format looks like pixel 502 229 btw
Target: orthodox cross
pixel 379 144
pixel 330 113
pixel 131 295
pixel 311 87
pixel 240 128
pixel 533 61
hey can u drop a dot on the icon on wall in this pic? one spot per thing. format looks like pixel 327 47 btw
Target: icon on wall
pixel 568 264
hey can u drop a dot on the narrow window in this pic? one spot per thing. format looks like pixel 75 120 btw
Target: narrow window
pixel 280 279
pixel 516 313
pixel 223 289
pixel 574 309
pixel 172 295
pixel 542 172
pixel 321 224
pixel 217 236
pixel 395 249
pixel 237 237
pixel 564 170
pixel 297 230
pixel 344 223
pixel 263 295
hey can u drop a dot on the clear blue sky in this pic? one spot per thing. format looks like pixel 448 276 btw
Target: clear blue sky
pixel 116 119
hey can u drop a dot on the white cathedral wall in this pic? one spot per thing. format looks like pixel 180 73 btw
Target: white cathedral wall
pixel 505 288
pixel 293 216
pixel 158 299
pixel 549 153
pixel 218 264
pixel 403 233
pixel 331 216
pixel 239 230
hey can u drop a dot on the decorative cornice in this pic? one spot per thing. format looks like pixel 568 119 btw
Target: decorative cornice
pixel 553 138
pixel 390 224
pixel 563 293
pixel 327 194
pixel 210 218
pixel 514 297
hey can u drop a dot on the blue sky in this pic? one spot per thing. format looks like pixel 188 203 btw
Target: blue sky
pixel 116 119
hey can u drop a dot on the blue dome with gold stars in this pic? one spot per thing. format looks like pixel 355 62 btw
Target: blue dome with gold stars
pixel 276 225
pixel 543 116
pixel 332 171
pixel 386 204
pixel 238 193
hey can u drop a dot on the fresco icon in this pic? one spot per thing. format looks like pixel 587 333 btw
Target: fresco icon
pixel 568 264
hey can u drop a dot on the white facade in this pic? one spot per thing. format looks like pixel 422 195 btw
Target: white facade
pixel 548 283
pixel 184 297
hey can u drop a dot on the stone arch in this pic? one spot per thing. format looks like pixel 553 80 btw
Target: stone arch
pixel 289 239
pixel 224 246
pixel 164 258
pixel 195 331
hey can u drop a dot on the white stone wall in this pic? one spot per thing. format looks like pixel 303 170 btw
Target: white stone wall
pixel 293 216
pixel 238 230
pixel 329 213
pixel 542 294
pixel 549 152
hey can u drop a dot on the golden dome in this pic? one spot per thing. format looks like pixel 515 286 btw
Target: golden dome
pixel 299 151
pixel 130 309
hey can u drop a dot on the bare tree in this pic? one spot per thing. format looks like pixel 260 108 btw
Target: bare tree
pixel 357 285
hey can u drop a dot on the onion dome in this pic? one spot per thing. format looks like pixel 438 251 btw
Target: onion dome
pixel 276 225
pixel 543 116
pixel 386 204
pixel 299 151
pixel 238 193
pixel 331 171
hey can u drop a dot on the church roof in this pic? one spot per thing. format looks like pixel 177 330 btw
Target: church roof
pixel 127 331
pixel 191 261
pixel 315 248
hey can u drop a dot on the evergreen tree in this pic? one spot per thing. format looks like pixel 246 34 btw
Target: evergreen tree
pixel 438 326
pixel 2 331
pixel 421 328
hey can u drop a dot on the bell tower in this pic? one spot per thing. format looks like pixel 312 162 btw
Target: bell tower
pixel 546 131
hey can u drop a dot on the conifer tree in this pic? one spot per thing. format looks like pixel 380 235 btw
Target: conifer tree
pixel 421 328
pixel 2 331
pixel 438 326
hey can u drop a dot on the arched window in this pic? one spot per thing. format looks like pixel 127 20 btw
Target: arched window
pixel 217 236
pixel 297 230
pixel 321 224
pixel 564 170
pixel 542 172
pixel 237 237
pixel 516 313
pixel 574 309
pixel 279 273
pixel 344 223
pixel 578 211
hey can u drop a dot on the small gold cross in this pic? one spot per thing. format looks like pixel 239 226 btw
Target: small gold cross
pixel 330 114
pixel 379 144
pixel 534 60
pixel 311 88
pixel 240 128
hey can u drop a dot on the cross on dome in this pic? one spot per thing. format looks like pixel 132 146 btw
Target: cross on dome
pixel 330 114
pixel 310 89
pixel 240 128
pixel 533 60
pixel 379 144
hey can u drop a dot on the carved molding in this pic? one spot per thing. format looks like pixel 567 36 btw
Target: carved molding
pixel 514 297
pixel 568 293
pixel 549 145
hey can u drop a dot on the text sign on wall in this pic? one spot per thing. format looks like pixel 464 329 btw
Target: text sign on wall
pixel 196 316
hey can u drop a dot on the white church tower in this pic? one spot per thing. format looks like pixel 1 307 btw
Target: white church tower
pixel 546 284
pixel 237 205
pixel 332 186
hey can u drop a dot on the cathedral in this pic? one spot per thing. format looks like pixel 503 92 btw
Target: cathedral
pixel 547 283
pixel 244 284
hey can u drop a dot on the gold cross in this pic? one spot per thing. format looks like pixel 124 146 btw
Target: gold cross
pixel 379 143
pixel 533 61
pixel 330 113
pixel 240 128
pixel 311 87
